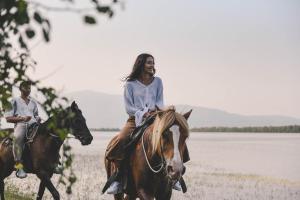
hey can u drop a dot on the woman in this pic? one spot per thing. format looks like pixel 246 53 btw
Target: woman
pixel 143 92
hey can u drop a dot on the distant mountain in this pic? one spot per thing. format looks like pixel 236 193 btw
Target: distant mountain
pixel 107 111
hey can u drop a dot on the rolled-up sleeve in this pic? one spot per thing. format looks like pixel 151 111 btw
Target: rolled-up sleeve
pixel 160 95
pixel 12 110
pixel 131 109
pixel 128 99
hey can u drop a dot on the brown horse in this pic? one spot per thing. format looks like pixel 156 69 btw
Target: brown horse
pixel 41 155
pixel 156 161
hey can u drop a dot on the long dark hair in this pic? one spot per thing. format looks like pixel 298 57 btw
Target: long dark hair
pixel 138 67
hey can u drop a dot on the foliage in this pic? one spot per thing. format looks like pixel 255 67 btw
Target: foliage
pixel 21 21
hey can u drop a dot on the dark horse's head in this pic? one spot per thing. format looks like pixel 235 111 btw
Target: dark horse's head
pixel 170 132
pixel 77 125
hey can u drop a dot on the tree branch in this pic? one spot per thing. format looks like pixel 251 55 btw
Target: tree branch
pixel 59 9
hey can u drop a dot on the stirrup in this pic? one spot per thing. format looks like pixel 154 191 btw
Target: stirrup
pixel 114 188
pixel 177 186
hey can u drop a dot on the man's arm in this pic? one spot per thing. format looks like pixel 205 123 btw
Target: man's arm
pixel 16 119
pixel 11 116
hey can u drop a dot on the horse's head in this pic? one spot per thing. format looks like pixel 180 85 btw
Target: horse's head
pixel 78 125
pixel 168 140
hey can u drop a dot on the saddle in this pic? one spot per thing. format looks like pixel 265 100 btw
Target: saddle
pixel 29 136
pixel 138 132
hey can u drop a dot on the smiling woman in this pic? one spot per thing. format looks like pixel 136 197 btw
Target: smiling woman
pixel 143 93
pixel 158 157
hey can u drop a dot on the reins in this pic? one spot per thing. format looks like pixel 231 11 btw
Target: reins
pixel 147 160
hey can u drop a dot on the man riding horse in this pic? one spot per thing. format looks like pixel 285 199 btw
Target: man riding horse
pixel 143 93
pixel 41 153
pixel 23 113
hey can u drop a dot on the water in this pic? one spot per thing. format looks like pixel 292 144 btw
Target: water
pixel 266 154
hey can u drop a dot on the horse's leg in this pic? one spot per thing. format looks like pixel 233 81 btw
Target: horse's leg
pixel 164 191
pixel 45 178
pixel 41 190
pixel 128 197
pixel 166 196
pixel 2 189
pixel 119 196
pixel 143 195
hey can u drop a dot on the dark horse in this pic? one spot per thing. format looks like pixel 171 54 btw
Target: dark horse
pixel 42 154
pixel 155 163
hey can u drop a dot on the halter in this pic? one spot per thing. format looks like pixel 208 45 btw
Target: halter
pixel 163 162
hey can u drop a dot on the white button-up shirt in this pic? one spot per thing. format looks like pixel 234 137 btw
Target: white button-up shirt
pixel 20 108
pixel 140 98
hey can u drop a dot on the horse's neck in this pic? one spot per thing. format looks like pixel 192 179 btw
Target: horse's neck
pixel 57 122
pixel 50 133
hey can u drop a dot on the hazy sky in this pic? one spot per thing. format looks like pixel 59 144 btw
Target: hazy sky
pixel 242 56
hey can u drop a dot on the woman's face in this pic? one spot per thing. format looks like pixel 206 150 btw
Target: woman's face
pixel 149 66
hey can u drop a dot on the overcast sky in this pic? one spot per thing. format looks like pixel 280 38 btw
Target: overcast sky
pixel 242 56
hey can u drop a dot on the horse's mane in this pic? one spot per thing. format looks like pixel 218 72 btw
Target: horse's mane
pixel 164 120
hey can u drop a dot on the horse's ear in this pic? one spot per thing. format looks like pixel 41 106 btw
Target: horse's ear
pixel 74 106
pixel 187 115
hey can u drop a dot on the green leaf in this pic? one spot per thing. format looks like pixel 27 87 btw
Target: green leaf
pixel 30 33
pixel 103 9
pixel 22 43
pixel 111 14
pixel 16 31
pixel 69 190
pixel 89 19
pixel 37 17
pixel 48 23
pixel 46 35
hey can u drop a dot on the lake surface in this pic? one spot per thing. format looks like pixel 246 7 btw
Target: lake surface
pixel 267 154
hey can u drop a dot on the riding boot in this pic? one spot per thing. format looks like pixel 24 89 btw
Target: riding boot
pixel 20 173
pixel 177 186
pixel 117 179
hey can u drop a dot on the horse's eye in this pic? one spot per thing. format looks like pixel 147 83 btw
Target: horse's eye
pixel 166 134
